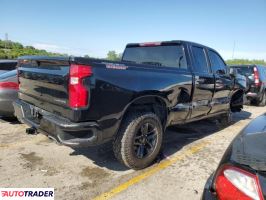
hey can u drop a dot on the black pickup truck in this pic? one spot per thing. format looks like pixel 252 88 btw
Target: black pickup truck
pixel 83 102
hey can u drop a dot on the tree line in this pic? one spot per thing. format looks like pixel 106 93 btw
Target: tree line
pixel 13 50
pixel 245 61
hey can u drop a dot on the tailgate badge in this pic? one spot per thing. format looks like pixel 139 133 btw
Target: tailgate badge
pixel 34 112
pixel 115 66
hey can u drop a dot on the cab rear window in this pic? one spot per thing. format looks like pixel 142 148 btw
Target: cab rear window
pixel 167 56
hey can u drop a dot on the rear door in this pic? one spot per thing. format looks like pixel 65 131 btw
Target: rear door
pixel 204 82
pixel 223 83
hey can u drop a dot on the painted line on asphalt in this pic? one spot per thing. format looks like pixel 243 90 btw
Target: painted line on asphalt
pixel 152 170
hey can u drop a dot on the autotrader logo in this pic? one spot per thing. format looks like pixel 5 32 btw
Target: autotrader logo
pixel 26 193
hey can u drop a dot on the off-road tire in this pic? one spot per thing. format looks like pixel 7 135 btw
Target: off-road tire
pixel 123 143
pixel 225 119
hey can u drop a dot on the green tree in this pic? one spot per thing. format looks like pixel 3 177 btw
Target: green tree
pixel 12 50
pixel 112 55
pixel 245 62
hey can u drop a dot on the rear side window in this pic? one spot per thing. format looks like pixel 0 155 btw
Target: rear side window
pixel 217 64
pixel 200 60
pixel 168 56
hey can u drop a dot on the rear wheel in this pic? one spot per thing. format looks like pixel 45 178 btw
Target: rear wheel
pixel 139 140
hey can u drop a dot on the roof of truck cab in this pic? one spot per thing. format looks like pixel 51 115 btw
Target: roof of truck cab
pixel 167 42
pixel 170 42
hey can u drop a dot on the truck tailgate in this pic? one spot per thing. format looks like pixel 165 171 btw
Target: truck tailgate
pixel 44 83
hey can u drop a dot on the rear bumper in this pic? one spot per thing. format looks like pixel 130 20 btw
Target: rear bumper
pixel 255 92
pixel 64 131
pixel 252 95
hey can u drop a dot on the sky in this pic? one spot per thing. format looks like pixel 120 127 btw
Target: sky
pixel 235 28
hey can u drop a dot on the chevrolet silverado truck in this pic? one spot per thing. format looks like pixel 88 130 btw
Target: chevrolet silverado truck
pixel 84 102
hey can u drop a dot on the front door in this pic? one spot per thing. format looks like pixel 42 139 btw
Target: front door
pixel 204 83
pixel 223 83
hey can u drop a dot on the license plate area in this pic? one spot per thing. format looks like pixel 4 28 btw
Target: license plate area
pixel 33 114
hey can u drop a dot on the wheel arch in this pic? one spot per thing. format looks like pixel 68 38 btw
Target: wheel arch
pixel 237 100
pixel 148 103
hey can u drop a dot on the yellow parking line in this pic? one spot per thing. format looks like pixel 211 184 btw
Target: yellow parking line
pixel 154 169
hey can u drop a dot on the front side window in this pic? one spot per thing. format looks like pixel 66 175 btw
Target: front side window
pixel 217 64
pixel 167 56
pixel 200 60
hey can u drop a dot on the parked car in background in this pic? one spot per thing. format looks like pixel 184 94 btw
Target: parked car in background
pixel 241 81
pixel 8 92
pixel 257 82
pixel 7 65
pixel 240 88
pixel 241 173
pixel 84 102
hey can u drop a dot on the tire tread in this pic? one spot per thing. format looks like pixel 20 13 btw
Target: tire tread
pixel 122 142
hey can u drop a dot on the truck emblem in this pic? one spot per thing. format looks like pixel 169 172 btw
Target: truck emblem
pixel 115 66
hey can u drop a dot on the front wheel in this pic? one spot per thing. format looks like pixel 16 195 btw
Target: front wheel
pixel 139 140
pixel 226 119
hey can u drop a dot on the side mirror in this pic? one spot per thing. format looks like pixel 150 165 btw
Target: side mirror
pixel 233 72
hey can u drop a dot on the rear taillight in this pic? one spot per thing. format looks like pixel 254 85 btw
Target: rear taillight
pixel 78 93
pixel 256 76
pixel 234 183
pixel 8 85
